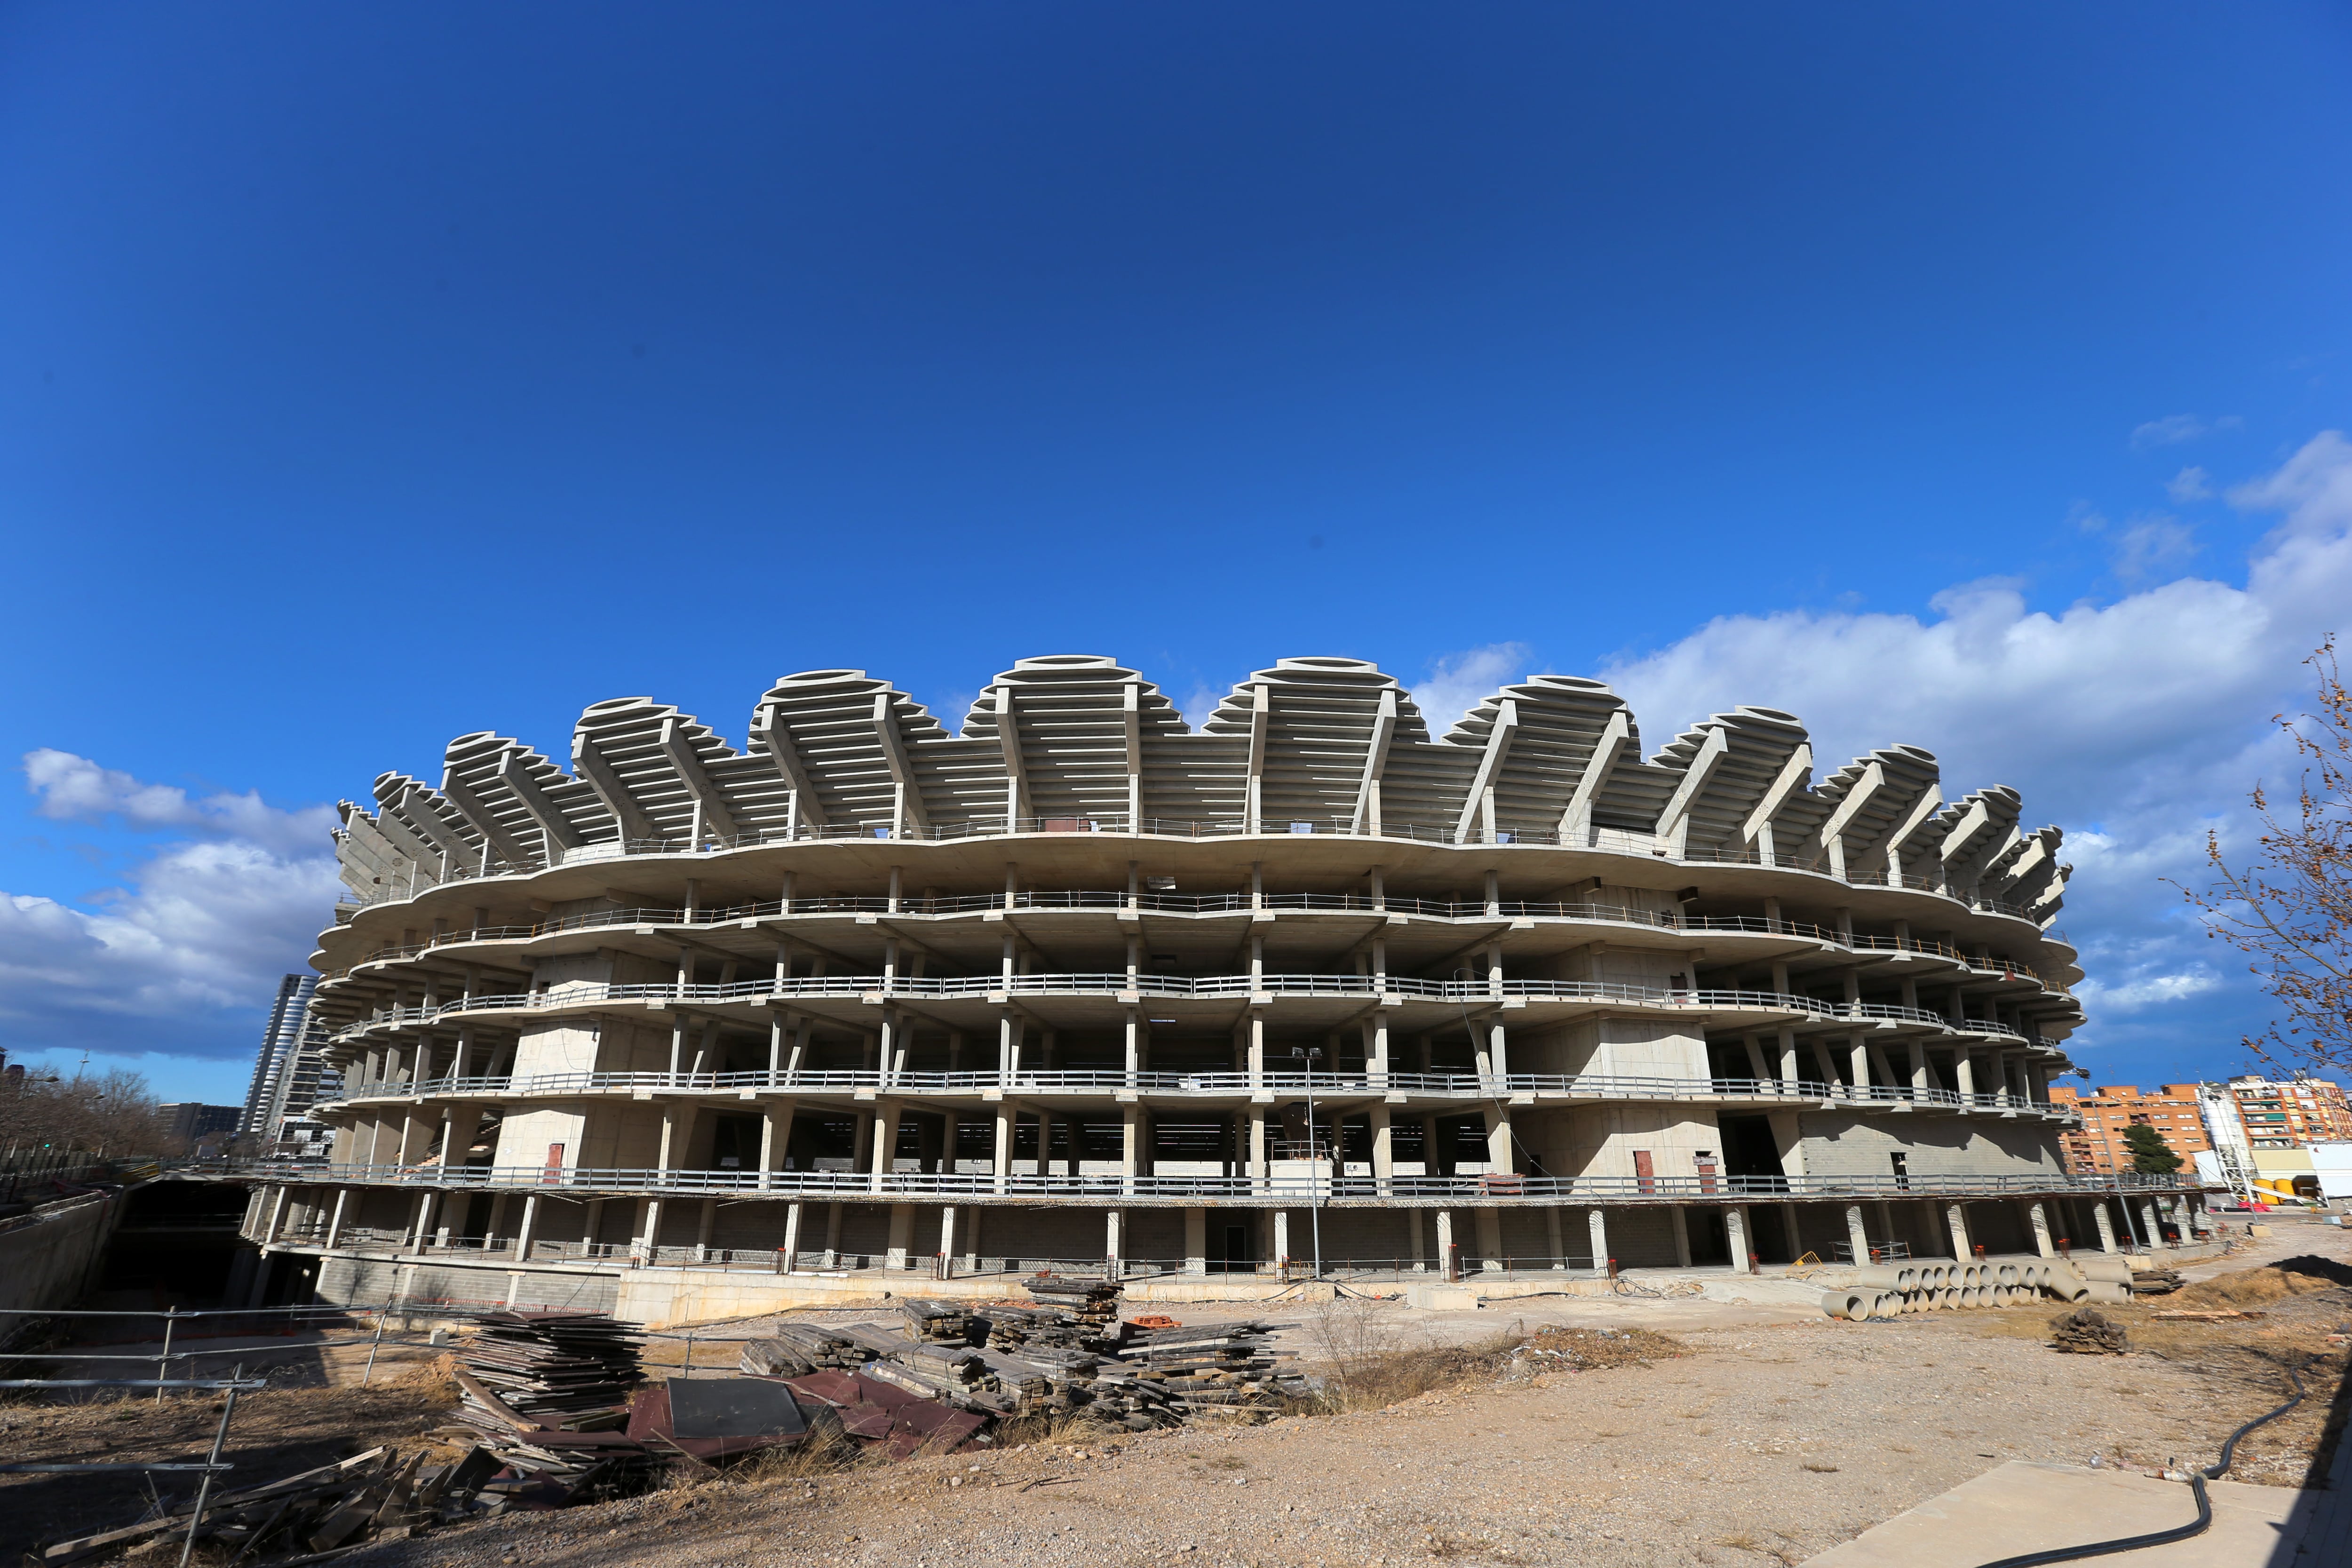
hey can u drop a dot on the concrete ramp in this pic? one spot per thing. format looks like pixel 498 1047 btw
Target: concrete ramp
pixel 2021 1507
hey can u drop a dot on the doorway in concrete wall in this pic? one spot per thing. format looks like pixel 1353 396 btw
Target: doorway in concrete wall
pixel 1710 1241
pixel 1235 1256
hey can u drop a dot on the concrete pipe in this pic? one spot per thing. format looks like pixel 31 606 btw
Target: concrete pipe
pixel 2005 1274
pixel 2099 1267
pixel 1877 1277
pixel 2075 1290
pixel 1906 1278
pixel 1971 1296
pixel 1949 1297
pixel 1850 1304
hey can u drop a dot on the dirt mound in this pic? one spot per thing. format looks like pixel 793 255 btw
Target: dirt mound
pixel 1606 1347
pixel 2273 1283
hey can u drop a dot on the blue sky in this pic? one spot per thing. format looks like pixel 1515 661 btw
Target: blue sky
pixel 368 376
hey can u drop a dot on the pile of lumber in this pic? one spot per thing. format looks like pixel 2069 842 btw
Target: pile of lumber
pixel 549 1392
pixel 373 1497
pixel 1091 1298
pixel 1067 1353
pixel 794 1349
pixel 1219 1370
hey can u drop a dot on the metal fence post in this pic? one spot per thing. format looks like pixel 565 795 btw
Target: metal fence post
pixel 163 1361
pixel 204 1487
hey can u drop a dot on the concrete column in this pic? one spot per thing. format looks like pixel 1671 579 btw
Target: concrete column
pixel 1502 1150
pixel 1282 1235
pixel 1257 1163
pixel 1196 1241
pixel 1552 1235
pixel 2037 1220
pixel 648 1239
pixel 1008 1121
pixel 1756 1069
pixel 1256 1049
pixel 832 1235
pixel 592 1227
pixel 1384 1151
pixel 1682 1236
pixel 526 1232
pixel 1735 1232
pixel 702 1230
pixel 1131 1147
pixel 1964 1070
pixel 1114 1241
pixel 946 1240
pixel 1787 1036
pixel 2148 1221
pixel 1857 1061
pixel 1596 1226
pixel 335 1219
pixel 1498 1050
pixel 1419 1259
pixel 902 1234
pixel 277 1201
pixel 2106 1226
pixel 1430 1164
pixel 1956 1218
pixel 775 1139
pixel 792 1246
pixel 1490 1239
pixel 1376 1058
pixel 496 1226
pixel 1857 1236
pixel 886 1142
pixel 1446 1258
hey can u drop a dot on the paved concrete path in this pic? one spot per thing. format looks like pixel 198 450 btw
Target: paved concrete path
pixel 2024 1507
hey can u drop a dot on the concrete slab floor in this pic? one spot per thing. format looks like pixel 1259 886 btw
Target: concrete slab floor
pixel 2023 1506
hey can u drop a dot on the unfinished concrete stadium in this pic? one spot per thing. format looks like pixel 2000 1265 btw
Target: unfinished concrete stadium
pixel 689 1029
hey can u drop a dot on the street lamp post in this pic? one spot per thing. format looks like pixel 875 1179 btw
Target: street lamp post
pixel 1308 1057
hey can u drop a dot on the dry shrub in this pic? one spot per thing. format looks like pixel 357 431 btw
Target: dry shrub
pixel 2273 1283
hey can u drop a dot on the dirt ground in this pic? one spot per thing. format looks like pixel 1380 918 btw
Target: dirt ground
pixel 1781 1433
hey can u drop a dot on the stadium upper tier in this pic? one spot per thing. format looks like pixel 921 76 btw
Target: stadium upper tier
pixel 1322 747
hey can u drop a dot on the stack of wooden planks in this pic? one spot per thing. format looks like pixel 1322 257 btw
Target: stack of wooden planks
pixel 1219 1369
pixel 548 1392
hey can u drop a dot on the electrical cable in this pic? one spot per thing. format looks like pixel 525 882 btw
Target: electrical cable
pixel 2196 1479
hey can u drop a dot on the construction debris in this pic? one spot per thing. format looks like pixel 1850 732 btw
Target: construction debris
pixel 547 1394
pixel 371 1497
pixel 2087 1331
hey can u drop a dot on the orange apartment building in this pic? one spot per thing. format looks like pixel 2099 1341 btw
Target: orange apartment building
pixel 2293 1113
pixel 2097 1146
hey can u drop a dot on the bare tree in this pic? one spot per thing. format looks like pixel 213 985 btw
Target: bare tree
pixel 2290 907
pixel 112 1112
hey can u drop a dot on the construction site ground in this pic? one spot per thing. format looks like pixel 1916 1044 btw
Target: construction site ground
pixel 1779 1435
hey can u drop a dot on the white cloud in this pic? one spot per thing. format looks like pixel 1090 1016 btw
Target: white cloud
pixel 2151 991
pixel 2134 724
pixel 68 788
pixel 2190 484
pixel 1458 682
pixel 178 954
pixel 2175 428
pixel 2150 548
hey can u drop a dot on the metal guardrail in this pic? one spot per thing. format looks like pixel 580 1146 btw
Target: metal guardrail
pixel 881 989
pixel 1487 1187
pixel 1196 905
pixel 1461 1086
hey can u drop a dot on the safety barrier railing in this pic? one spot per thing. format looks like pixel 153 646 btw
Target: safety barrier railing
pixel 1225 1084
pixel 1205 904
pixel 881 989
pixel 1484 1187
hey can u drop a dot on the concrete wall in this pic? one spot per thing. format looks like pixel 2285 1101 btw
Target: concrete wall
pixel 49 1258
pixel 1839 1143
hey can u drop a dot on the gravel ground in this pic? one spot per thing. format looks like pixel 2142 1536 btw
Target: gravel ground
pixel 1779 1435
